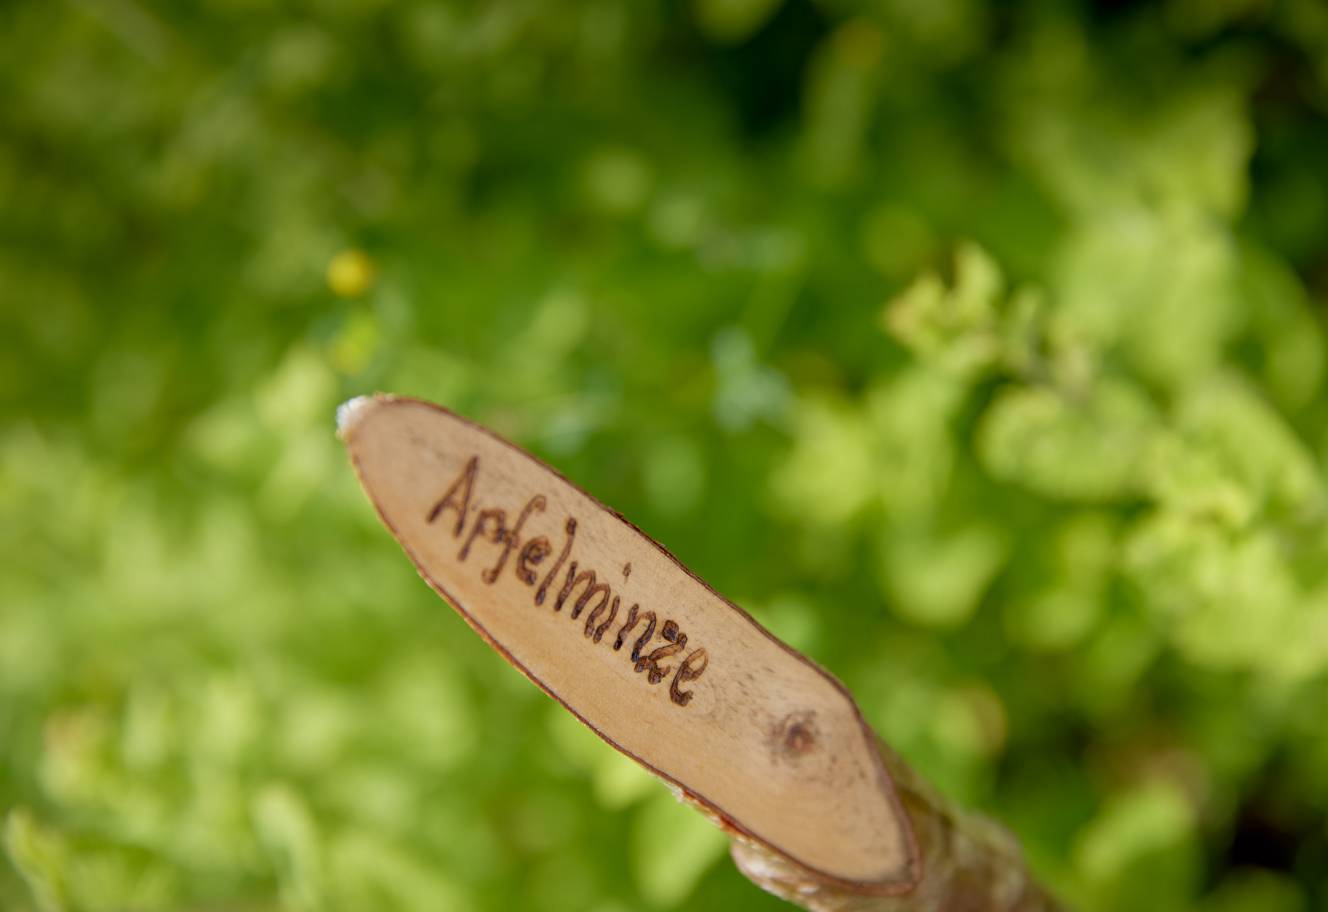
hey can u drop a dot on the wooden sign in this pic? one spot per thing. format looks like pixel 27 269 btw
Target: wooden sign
pixel 654 661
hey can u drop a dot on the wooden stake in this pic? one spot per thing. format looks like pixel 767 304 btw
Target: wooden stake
pixel 655 662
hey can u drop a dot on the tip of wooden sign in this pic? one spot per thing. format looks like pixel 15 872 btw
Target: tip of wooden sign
pixel 350 412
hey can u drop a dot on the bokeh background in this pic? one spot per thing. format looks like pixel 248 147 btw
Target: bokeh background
pixel 977 349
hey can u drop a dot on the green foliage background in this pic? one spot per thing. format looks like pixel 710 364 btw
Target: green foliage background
pixel 978 350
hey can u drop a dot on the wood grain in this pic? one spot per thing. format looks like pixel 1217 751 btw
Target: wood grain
pixel 656 663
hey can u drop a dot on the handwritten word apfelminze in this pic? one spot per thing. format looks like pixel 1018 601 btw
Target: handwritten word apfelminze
pixel 489 525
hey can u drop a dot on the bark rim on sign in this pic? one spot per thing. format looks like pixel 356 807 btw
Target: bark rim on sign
pixel 349 416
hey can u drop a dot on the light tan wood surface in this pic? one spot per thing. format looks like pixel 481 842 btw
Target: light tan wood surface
pixel 612 626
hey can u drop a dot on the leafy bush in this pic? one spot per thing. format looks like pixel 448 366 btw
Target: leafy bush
pixel 978 350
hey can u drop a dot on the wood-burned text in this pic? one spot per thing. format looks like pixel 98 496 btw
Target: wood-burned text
pixel 582 590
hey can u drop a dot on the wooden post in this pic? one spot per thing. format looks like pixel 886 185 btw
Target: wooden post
pixel 655 662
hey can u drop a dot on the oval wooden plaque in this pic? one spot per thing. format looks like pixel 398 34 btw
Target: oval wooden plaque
pixel 613 627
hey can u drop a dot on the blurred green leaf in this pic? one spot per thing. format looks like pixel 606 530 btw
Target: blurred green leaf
pixel 672 846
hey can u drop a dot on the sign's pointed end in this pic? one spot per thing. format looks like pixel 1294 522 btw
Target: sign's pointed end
pixel 350 412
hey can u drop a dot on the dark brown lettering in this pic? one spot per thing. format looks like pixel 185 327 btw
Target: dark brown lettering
pixel 597 633
pixel 635 614
pixel 543 590
pixel 466 479
pixel 532 553
pixel 691 668
pixel 655 673
pixel 491 525
pixel 500 516
pixel 512 537
pixel 592 589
